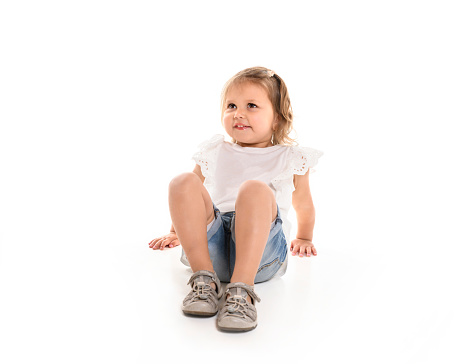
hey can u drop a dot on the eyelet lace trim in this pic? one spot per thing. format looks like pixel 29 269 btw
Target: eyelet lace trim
pixel 299 160
pixel 206 155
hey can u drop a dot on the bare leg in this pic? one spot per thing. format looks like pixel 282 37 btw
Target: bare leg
pixel 191 211
pixel 255 209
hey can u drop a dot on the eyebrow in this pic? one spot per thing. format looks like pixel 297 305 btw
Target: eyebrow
pixel 250 100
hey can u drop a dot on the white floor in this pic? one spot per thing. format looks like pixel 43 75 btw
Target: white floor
pixel 109 298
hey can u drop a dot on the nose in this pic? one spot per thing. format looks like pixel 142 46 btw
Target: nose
pixel 238 114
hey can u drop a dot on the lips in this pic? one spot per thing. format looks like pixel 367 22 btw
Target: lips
pixel 241 127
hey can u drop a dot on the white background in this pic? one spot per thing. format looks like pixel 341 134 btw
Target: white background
pixel 102 103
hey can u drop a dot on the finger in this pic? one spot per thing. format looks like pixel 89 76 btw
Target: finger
pixel 166 243
pixel 314 251
pixel 173 243
pixel 158 244
pixel 292 245
pixel 163 244
pixel 300 250
pixel 154 241
pixel 296 249
pixel 308 250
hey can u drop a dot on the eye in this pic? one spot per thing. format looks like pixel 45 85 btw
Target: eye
pixel 251 104
pixel 230 105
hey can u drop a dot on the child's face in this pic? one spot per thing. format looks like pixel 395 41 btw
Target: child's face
pixel 249 104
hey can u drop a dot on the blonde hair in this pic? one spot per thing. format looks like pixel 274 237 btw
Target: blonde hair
pixel 277 93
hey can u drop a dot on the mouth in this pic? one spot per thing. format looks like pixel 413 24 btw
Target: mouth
pixel 241 127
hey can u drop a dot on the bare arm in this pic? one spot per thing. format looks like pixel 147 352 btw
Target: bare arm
pixel 305 212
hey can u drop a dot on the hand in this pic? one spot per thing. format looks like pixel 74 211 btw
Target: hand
pixel 164 241
pixel 302 247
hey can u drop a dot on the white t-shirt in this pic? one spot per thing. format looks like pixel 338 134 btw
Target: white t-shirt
pixel 226 165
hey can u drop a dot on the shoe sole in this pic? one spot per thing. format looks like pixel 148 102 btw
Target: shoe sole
pixel 237 329
pixel 198 313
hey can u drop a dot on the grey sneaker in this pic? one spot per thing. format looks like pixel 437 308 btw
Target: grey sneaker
pixel 203 299
pixel 238 314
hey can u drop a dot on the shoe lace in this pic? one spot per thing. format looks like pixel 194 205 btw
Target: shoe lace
pixel 237 305
pixel 201 291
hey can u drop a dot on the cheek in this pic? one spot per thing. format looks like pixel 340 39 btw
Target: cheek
pixel 227 123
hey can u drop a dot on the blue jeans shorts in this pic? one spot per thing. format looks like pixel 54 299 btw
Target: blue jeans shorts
pixel 221 243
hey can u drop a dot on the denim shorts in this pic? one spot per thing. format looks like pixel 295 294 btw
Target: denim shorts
pixel 221 243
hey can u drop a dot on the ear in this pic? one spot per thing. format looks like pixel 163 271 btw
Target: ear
pixel 276 122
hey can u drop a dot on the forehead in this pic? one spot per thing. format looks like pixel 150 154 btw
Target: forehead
pixel 247 91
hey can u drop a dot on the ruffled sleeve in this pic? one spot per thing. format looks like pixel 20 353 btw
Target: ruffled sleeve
pixel 206 154
pixel 299 161
pixel 303 159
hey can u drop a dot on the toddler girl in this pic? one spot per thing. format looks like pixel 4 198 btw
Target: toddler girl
pixel 230 213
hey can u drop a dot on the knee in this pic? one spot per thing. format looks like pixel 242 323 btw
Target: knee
pixel 254 188
pixel 184 181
